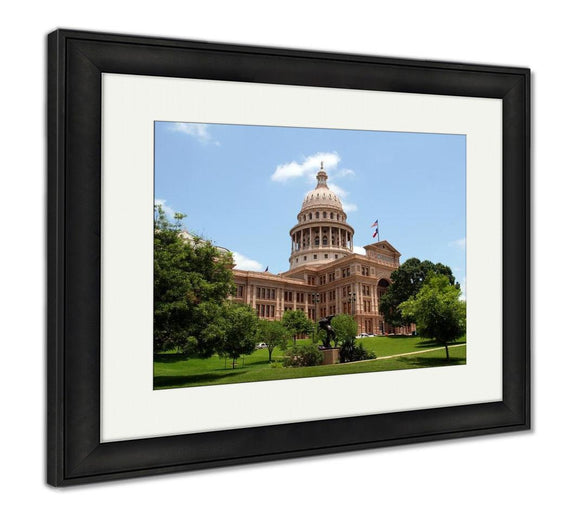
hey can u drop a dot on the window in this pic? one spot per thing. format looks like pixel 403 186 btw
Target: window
pixel 345 272
pixel 315 256
pixel 317 215
pixel 324 240
pixel 336 256
pixel 266 293
pixel 316 240
pixel 365 271
pixel 324 214
pixel 240 291
pixel 326 255
pixel 310 216
pixel 304 257
pixel 331 215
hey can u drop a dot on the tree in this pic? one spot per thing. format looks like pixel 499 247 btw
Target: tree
pixel 273 334
pixel 406 282
pixel 240 327
pixel 345 328
pixel 296 322
pixel 192 280
pixel 437 310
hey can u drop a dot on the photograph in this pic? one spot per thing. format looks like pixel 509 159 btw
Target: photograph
pixel 291 252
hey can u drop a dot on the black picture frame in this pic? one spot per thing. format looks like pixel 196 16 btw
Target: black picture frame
pixel 75 62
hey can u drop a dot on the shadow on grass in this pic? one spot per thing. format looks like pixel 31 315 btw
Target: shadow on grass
pixel 432 361
pixel 173 357
pixel 429 343
pixel 169 381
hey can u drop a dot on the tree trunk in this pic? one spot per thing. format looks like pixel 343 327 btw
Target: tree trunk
pixel 270 355
pixel 233 363
pixel 447 351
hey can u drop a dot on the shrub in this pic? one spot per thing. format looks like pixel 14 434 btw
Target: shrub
pixel 350 351
pixel 276 364
pixel 303 355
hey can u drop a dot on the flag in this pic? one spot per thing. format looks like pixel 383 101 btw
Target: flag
pixel 375 224
pixel 267 267
pixel 376 233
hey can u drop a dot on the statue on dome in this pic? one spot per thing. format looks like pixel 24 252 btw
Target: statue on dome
pixel 325 325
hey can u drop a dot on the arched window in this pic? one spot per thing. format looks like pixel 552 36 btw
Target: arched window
pixel 317 241
pixel 331 215
pixel 324 241
pixel 317 215
pixel 324 214
pixel 310 216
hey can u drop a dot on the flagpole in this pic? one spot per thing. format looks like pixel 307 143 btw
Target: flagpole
pixel 378 233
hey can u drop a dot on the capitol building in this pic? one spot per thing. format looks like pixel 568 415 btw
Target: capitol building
pixel 325 277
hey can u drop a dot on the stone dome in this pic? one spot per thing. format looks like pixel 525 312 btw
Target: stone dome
pixel 322 233
pixel 322 195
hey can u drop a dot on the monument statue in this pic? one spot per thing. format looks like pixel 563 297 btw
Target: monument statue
pixel 325 325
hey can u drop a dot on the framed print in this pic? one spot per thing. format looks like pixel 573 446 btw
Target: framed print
pixel 259 253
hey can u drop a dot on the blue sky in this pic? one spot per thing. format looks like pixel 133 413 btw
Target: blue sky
pixel 242 187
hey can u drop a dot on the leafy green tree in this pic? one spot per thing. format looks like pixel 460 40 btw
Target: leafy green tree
pixel 296 322
pixel 240 329
pixel 406 282
pixel 437 310
pixel 273 334
pixel 345 328
pixel 192 280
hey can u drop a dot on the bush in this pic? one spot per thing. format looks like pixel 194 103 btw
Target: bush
pixel 350 351
pixel 303 355
pixel 276 364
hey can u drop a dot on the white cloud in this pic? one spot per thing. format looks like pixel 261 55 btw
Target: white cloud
pixel 246 264
pixel 348 207
pixel 198 131
pixel 346 172
pixel 308 168
pixel 459 243
pixel 359 249
pixel 167 209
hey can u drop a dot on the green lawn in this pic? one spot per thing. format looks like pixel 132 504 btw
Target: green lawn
pixel 174 370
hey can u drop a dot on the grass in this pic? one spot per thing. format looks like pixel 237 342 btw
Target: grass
pixel 175 370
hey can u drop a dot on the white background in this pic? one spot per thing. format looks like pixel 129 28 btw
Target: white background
pixel 536 468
